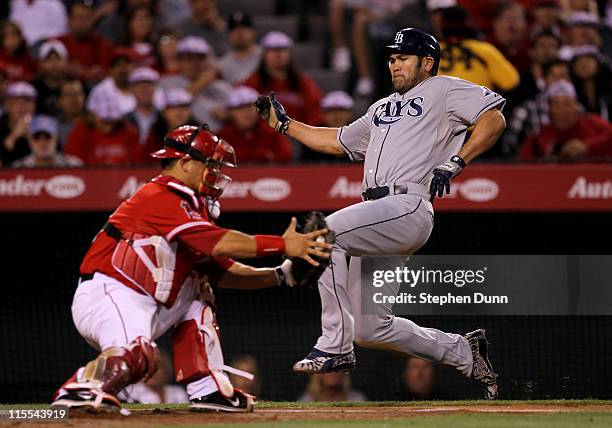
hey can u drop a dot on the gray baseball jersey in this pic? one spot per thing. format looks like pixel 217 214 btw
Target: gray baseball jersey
pixel 401 139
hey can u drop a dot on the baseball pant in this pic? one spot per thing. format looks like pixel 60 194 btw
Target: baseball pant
pixel 394 225
pixel 107 313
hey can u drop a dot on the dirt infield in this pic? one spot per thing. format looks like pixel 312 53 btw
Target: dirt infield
pixel 178 417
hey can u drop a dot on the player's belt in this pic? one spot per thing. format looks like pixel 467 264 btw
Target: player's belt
pixel 398 189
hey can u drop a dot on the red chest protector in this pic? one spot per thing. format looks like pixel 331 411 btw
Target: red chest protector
pixel 152 263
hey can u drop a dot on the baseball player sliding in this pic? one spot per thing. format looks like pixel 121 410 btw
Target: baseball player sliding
pixel 412 145
pixel 145 270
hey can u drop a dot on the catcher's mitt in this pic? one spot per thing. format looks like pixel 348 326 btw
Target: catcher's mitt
pixel 303 272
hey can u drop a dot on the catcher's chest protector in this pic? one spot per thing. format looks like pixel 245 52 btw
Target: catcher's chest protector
pixel 153 264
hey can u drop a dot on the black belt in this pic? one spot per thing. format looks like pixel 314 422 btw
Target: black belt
pixel 86 277
pixel 382 191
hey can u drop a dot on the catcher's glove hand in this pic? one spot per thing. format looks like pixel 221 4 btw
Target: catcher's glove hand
pixel 297 271
pixel 443 174
pixel 273 112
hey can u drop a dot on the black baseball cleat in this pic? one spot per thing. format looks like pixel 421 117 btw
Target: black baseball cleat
pixel 216 402
pixel 317 362
pixel 482 370
pixel 88 400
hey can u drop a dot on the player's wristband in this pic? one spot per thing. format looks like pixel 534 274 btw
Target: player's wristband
pixel 458 160
pixel 270 245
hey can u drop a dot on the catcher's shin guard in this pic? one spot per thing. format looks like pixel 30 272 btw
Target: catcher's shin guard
pixel 97 384
pixel 197 353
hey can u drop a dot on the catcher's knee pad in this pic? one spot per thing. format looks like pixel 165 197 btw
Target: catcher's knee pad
pixel 197 351
pixel 117 367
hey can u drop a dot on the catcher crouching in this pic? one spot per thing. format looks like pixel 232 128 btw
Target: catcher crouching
pixel 144 274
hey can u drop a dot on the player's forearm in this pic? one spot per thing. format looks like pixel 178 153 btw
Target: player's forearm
pixel 244 277
pixel 318 138
pixel 239 245
pixel 487 130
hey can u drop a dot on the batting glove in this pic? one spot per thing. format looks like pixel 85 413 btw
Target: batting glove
pixel 273 112
pixel 443 174
pixel 285 275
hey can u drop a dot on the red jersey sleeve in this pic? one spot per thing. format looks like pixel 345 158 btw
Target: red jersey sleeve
pixel 164 212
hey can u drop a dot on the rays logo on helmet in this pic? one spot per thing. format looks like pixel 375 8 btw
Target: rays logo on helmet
pixel 399 38
pixel 393 111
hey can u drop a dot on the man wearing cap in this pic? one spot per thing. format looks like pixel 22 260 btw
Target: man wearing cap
pixel 199 76
pixel 253 139
pixel 571 135
pixel 52 67
pixel 277 73
pixel 337 107
pixel 244 55
pixel 205 22
pixel 103 137
pixel 42 138
pixel 145 114
pixel 19 105
pixel 89 53
pixel 149 270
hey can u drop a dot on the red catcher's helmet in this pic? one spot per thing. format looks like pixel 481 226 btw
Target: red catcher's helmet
pixel 201 144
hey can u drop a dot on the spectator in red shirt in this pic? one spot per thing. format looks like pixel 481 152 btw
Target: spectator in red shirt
pixel 571 135
pixel 104 138
pixel 253 140
pixel 510 34
pixel 89 52
pixel 277 73
pixel 14 53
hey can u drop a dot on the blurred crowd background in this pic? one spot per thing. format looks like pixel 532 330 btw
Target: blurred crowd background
pixel 99 82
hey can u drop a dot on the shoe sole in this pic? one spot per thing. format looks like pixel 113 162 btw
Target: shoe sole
pixel 85 406
pixel 342 368
pixel 203 407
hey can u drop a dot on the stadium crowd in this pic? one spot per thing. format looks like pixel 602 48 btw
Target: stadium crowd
pixel 100 82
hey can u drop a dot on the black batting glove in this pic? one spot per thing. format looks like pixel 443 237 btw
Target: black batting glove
pixel 273 112
pixel 443 174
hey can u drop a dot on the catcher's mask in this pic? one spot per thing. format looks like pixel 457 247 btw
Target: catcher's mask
pixel 200 144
